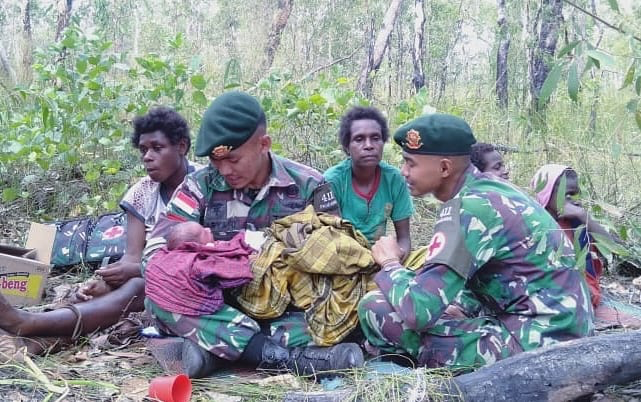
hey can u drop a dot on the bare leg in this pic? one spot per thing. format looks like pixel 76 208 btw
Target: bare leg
pixel 98 313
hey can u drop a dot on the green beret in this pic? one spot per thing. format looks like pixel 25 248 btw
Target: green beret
pixel 229 121
pixel 436 134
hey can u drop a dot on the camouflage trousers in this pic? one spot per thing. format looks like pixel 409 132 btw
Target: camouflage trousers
pixel 454 343
pixel 227 332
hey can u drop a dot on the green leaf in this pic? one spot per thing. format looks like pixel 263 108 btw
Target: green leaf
pixel 233 75
pixel 302 105
pixel 92 175
pixel 637 86
pixel 560 194
pixel 550 84
pixel 589 64
pixel 317 99
pixel 81 65
pixel 614 5
pixel 199 98
pixel 45 114
pixel 69 41
pixel 602 60
pixel 573 82
pixel 568 48
pixel 14 147
pixel 198 81
pixel 629 76
pixel 580 256
pixel 632 105
pixel 606 245
pixel 540 184
pixel 9 194
pixel 94 86
pixel 637 118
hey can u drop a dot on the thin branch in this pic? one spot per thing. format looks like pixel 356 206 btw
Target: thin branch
pixel 513 149
pixel 314 71
pixel 601 20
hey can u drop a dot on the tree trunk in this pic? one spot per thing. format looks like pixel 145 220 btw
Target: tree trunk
pixel 6 65
pixel 501 56
pixel 278 25
pixel 64 15
pixel 548 20
pixel 418 50
pixel 27 42
pixel 444 70
pixel 375 56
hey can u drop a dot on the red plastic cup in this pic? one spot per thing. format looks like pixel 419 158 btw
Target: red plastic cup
pixel 175 388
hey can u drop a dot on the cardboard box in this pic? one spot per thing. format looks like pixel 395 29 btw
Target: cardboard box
pixel 24 271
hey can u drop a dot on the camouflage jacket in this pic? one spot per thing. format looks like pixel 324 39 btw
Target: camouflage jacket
pixel 494 240
pixel 207 198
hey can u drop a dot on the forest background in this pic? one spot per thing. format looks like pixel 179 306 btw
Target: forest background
pixel 547 80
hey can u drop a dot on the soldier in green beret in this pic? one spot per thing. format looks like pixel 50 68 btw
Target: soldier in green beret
pixel 245 187
pixel 490 238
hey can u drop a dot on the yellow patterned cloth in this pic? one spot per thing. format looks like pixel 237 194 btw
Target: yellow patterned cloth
pixel 416 259
pixel 317 262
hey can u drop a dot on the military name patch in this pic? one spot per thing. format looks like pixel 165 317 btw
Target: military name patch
pixel 437 244
pixel 413 139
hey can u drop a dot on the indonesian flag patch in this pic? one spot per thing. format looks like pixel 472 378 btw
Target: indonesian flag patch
pixel 185 203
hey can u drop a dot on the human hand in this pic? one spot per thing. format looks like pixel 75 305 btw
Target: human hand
pixel 386 249
pixel 574 210
pixel 118 273
pixel 91 289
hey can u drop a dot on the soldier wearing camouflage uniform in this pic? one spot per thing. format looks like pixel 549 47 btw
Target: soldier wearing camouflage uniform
pixel 245 187
pixel 490 238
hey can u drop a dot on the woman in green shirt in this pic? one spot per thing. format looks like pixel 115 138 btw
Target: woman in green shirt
pixel 368 190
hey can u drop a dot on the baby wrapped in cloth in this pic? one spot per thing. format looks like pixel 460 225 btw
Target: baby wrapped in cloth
pixel 188 275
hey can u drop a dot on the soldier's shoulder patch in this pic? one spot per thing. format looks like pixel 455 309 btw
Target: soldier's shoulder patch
pixel 437 244
pixel 325 200
pixel 447 245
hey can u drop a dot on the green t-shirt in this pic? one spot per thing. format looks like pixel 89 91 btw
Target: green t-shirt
pixel 392 199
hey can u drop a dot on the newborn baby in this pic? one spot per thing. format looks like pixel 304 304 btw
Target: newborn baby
pixel 188 232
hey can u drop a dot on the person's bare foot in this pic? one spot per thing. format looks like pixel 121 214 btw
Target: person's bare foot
pixel 12 319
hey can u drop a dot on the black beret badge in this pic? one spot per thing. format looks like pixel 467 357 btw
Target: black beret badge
pixel 220 151
pixel 413 139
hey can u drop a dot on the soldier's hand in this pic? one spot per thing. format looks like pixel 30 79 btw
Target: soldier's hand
pixel 386 249
pixel 118 273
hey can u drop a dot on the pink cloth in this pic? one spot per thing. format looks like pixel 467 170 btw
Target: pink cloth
pixel 548 174
pixel 190 279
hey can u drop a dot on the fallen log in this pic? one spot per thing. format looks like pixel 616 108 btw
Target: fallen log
pixel 561 372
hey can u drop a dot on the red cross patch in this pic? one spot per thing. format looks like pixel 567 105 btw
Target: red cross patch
pixel 437 244
pixel 113 232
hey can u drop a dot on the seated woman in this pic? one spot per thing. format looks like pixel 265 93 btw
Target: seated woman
pixel 162 137
pixel 368 190
pixel 488 160
pixel 572 217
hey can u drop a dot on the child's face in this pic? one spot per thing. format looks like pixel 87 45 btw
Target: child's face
pixel 206 236
pixel 493 162
pixel 572 192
